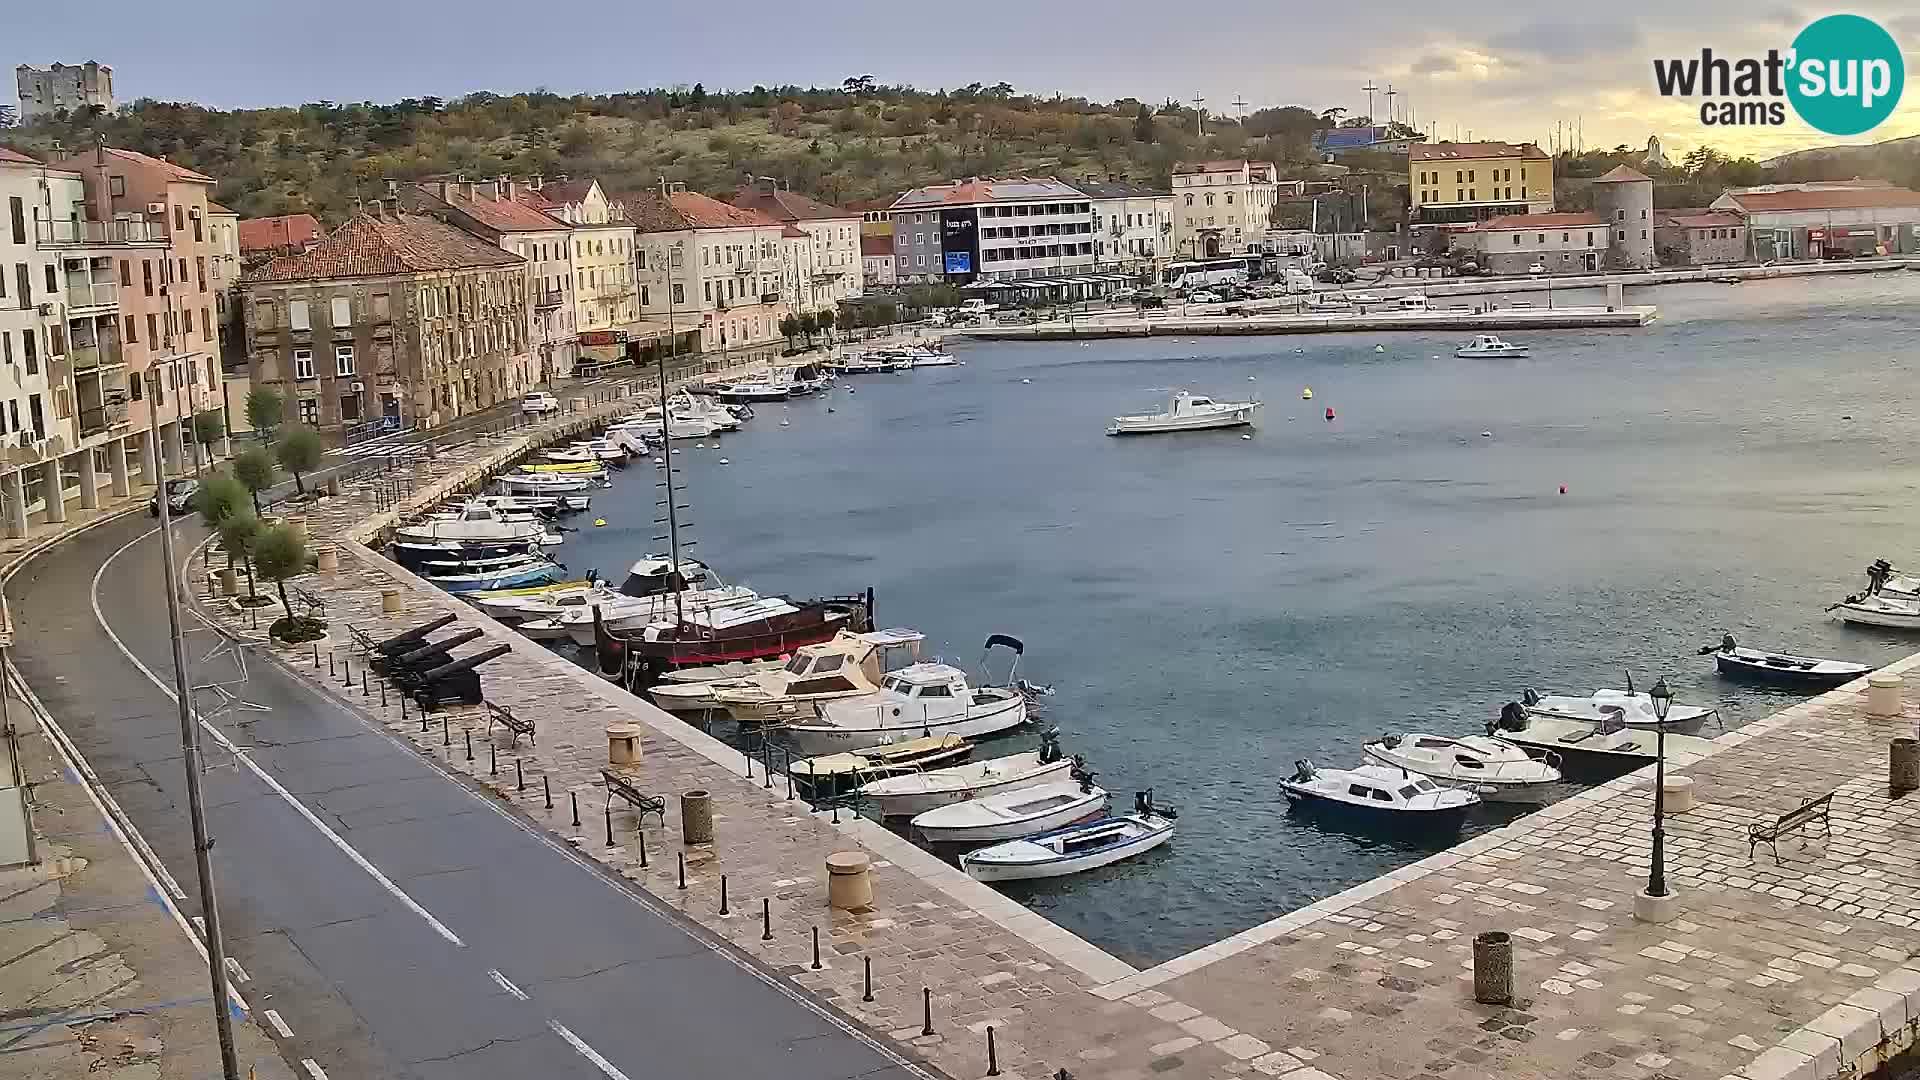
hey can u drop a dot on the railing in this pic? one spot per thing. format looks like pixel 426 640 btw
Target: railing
pixel 89 357
pixel 546 298
pixel 85 292
pixel 100 420
pixel 83 233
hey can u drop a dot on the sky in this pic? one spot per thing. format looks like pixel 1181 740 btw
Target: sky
pixel 1496 68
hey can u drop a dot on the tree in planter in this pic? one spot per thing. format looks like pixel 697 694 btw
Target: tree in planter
pixel 264 410
pixel 254 469
pixel 208 428
pixel 825 321
pixel 299 452
pixel 790 329
pixel 237 534
pixel 808 325
pixel 280 553
pixel 219 498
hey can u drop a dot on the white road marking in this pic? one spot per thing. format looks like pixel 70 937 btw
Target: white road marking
pixel 506 984
pixel 239 973
pixel 586 1051
pixel 246 759
pixel 279 1025
pixel 313 1069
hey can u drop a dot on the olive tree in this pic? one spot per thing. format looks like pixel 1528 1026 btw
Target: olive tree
pixel 253 467
pixel 280 553
pixel 264 410
pixel 299 453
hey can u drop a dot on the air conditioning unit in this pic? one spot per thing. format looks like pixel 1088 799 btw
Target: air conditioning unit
pixel 156 208
pixel 359 387
pixel 46 309
pixel 193 211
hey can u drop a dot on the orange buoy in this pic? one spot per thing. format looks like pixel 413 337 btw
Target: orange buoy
pixel 1329 412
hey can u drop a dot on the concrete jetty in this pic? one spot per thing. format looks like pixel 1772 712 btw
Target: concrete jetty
pixel 1479 286
pixel 1461 320
pixel 1805 967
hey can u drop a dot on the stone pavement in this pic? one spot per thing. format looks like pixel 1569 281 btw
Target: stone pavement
pixel 1803 968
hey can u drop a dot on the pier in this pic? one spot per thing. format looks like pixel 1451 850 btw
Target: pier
pixel 1798 968
pixel 1464 320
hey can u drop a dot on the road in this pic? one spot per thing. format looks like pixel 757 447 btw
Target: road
pixel 395 922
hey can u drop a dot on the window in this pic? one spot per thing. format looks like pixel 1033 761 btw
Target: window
pixel 343 359
pixel 200 266
pixel 153 330
pixel 132 337
pixel 33 410
pixel 1589 237
pixel 53 283
pixel 380 301
pixel 1516 239
pixel 341 312
pixel 1189 198
pixel 126 274
pixel 30 351
pixel 23 284
pixel 206 325
pixel 1540 238
pixel 310 411
pixel 117 187
pixel 182 279
pixel 146 274
pixel 1623 235
pixel 188 312
pixel 679 293
pixel 297 315
pixel 1459 194
pixel 1620 215
pixel 197 237
pixel 303 363
pixel 16 209
pixel 1643 234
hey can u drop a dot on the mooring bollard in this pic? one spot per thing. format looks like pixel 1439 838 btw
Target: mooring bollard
pixel 816 948
pixel 766 919
pixel 849 880
pixel 1903 766
pixel 640 838
pixel 1493 968
pixel 696 817
pixel 469 736
pixel 993 1057
pixel 331 673
pixel 866 966
pixel 1883 694
pixel 346 669
pixel 609 813
pixel 446 733
pixel 766 761
pixel 926 998
pixel 723 895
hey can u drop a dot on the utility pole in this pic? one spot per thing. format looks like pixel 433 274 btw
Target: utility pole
pixel 1199 132
pixel 1370 88
pixel 1392 117
pixel 190 747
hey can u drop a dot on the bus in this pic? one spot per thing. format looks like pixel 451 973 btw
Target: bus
pixel 1204 273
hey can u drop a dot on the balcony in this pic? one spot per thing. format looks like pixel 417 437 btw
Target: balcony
pixel 84 293
pixel 547 299
pixel 103 419
pixel 97 233
pixel 86 358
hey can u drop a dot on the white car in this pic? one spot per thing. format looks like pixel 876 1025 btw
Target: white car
pixel 539 402
pixel 1537 268
pixel 1203 297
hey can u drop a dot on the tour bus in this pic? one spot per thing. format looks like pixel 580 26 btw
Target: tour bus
pixel 1205 273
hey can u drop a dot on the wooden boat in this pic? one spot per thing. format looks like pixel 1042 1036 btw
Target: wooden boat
pixel 1374 790
pixel 640 657
pixel 920 791
pixel 848 665
pixel 1074 848
pixel 1870 610
pixel 1781 669
pixel 876 762
pixel 1011 815
pixel 1490 767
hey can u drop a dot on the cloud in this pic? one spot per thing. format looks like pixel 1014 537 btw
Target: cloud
pixel 1567 40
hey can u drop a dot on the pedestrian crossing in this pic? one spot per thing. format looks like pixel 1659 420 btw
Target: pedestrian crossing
pixel 396 444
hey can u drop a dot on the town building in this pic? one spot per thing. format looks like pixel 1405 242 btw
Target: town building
pixel 876 217
pixel 35 299
pixel 1132 225
pixel 63 88
pixel 1331 143
pixel 832 270
pixel 1623 197
pixel 495 211
pixel 606 291
pixel 876 262
pixel 1699 237
pixel 1221 207
pixel 394 315
pixel 263 238
pixel 1026 229
pixel 1452 184
pixel 1823 221
pixel 1556 243
pixel 704 264
pixel 223 266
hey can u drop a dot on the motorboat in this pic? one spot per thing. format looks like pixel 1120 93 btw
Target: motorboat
pixel 571 455
pixel 849 665
pixel 1781 669
pixel 1601 745
pixel 413 554
pixel 732 669
pixel 861 364
pixel 1188 412
pixel 679 425
pixel 535 504
pixel 1490 767
pixel 802 380
pixel 462 578
pixel 759 386
pixel 1376 790
pixel 922 356
pixel 922 699
pixel 1014 814
pixel 542 630
pixel 691 410
pixel 1866 609
pixel 534 602
pixel 1490 345
pixel 647 594
pixel 590 470
pixel 917 792
pixel 476 523
pixel 1634 709
pixel 525 483
pixel 822 774
pixel 1074 848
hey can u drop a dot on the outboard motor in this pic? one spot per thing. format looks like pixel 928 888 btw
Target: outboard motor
pixel 1513 717
pixel 1530 697
pixel 1390 741
pixel 1050 746
pixel 1727 644
pixel 1144 806
pixel 1878 572
pixel 1082 775
pixel 1302 771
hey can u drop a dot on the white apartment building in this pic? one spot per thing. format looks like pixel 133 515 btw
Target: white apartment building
pixel 33 304
pixel 1023 228
pixel 832 270
pixel 702 263
pixel 1221 207
pixel 1562 243
pixel 1132 224
pixel 605 289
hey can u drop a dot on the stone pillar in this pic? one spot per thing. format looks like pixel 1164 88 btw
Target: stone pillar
pixel 117 465
pixel 89 480
pixel 623 744
pixel 1679 795
pixel 696 817
pixel 849 881
pixel 16 485
pixel 390 601
pixel 1903 766
pixel 56 493
pixel 1493 968
pixel 1883 694
pixel 328 559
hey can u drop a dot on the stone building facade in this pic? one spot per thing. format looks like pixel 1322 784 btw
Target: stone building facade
pixel 45 92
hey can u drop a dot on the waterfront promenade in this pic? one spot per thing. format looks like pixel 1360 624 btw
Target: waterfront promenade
pixel 1802 968
pixel 1321 321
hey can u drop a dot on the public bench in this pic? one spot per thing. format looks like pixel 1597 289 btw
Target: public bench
pixel 315 605
pixel 362 640
pixel 518 725
pixel 1793 821
pixel 642 803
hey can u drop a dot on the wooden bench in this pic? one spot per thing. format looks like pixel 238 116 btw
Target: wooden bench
pixel 517 725
pixel 1793 821
pixel 642 803
pixel 362 640
pixel 314 605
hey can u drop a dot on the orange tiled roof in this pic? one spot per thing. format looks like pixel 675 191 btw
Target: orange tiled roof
pixel 690 210
pixel 372 246
pixel 1700 219
pixel 565 191
pixel 216 208
pixel 789 206
pixel 15 157
pixel 1826 199
pixel 138 160
pixel 1621 174
pixel 500 215
pixel 281 232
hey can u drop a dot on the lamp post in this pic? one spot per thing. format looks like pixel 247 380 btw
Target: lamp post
pixel 1662 701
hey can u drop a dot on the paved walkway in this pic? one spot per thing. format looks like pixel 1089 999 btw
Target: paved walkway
pixel 1789 969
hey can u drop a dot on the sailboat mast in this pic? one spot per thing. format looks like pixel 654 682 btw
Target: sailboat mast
pixel 673 515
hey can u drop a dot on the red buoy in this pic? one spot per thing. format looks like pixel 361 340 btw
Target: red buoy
pixel 1329 412
pixel 1563 489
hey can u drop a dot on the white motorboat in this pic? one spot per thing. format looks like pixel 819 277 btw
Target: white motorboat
pixel 1074 848
pixel 861 364
pixel 923 699
pixel 932 358
pixel 1374 790
pixel 759 386
pixel 918 792
pixel 848 665
pixel 1634 709
pixel 1013 814
pixel 542 630
pixel 802 380
pixel 534 504
pixel 1601 746
pixel 494 573
pixel 539 602
pixel 1869 610
pixel 547 483
pixel 1188 412
pixel 570 455
pixel 732 669
pixel 680 425
pixel 1492 768
pixel 1490 345
pixel 476 523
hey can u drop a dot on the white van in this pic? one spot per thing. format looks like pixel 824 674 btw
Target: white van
pixel 1413 303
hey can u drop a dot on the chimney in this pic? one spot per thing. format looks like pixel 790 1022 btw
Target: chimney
pixel 535 181
pixel 393 186
pixel 446 191
pixel 466 188
pixel 510 188
pixel 396 208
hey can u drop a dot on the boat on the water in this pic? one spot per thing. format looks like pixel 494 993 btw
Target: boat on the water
pixel 1076 847
pixel 526 483
pixel 476 523
pixel 824 773
pixel 759 386
pixel 922 699
pixel 1188 412
pixel 917 792
pixel 1013 814
pixel 1598 746
pixel 1735 661
pixel 1374 790
pixel 1490 345
pixel 847 665
pixel 1490 767
pixel 458 577
pixel 1635 709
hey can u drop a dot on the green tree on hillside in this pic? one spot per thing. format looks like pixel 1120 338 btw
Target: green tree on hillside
pixel 1143 124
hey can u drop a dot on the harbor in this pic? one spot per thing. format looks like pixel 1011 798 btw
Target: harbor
pixel 1467 321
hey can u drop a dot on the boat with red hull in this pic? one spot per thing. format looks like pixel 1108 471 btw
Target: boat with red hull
pixel 637 658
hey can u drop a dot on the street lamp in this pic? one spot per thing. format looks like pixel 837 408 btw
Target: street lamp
pixel 1662 697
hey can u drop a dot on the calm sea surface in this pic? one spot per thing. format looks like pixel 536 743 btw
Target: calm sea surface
pixel 1212 608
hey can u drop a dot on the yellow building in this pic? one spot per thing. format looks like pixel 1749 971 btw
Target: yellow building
pixel 1457 184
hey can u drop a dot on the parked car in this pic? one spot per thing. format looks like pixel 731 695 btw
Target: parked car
pixel 1334 275
pixel 1203 296
pixel 179 494
pixel 539 402
pixel 1537 268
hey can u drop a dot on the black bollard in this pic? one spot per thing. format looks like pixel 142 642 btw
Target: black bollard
pixel 316 656
pixel 926 996
pixel 403 714
pixel 640 837
pixel 836 811
pixel 683 870
pixel 766 919
pixel 446 733
pixel 723 894
pixel 346 670
pixel 609 824
pixel 366 687
pixel 493 759
pixel 766 761
pixel 330 672
pixel 574 798
pixel 789 771
pixel 383 695
pixel 866 964
pixel 816 948
pixel 993 1058
pixel 519 776
pixel 469 734
pixel 747 752
pixel 546 788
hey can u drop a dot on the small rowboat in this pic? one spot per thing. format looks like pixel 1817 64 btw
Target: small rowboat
pixel 1878 611
pixel 875 762
pixel 1074 848
pixel 917 792
pixel 1013 814
pixel 1781 669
